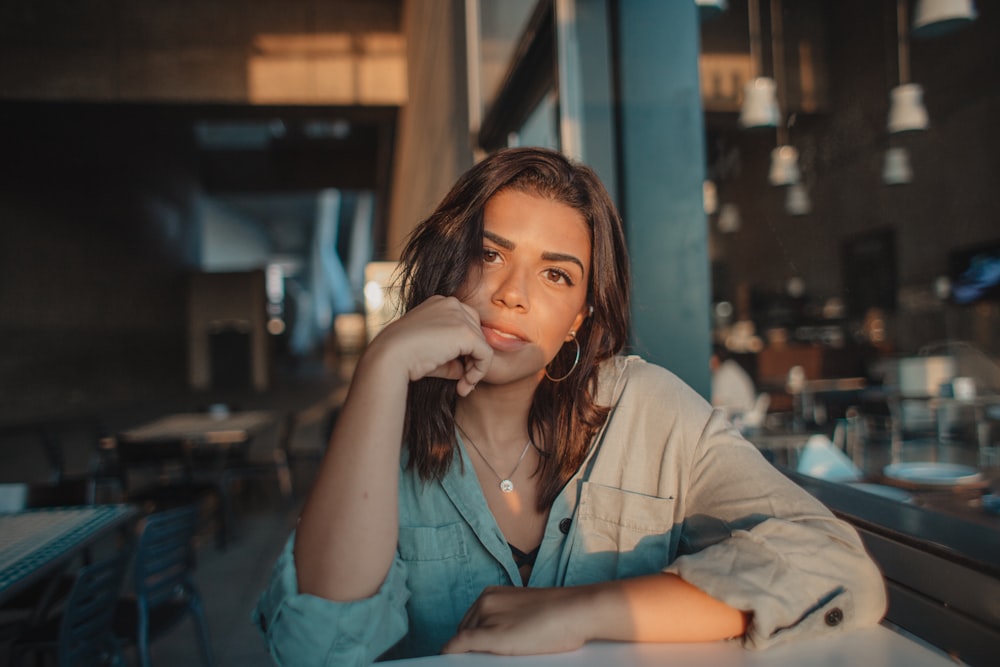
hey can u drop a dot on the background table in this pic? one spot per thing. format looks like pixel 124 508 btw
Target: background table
pixel 203 428
pixel 36 543
pixel 198 442
pixel 871 646
pixel 196 453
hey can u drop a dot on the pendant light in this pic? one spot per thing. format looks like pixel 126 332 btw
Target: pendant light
pixel 729 218
pixel 896 170
pixel 906 106
pixel 784 157
pixel 906 109
pixel 784 165
pixel 797 200
pixel 710 197
pixel 939 17
pixel 760 102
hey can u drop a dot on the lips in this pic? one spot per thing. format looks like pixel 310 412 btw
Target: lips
pixel 503 339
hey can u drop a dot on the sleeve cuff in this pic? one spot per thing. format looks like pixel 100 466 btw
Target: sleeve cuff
pixel 791 591
pixel 302 629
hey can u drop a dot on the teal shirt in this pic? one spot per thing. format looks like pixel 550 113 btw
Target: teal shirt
pixel 668 489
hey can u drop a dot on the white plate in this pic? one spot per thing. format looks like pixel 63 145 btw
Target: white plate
pixel 933 474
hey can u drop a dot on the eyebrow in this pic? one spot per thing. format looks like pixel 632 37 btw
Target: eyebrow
pixel 507 244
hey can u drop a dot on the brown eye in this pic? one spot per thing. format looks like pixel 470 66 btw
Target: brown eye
pixel 559 276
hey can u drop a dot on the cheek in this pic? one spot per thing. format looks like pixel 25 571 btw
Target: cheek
pixel 558 325
pixel 472 284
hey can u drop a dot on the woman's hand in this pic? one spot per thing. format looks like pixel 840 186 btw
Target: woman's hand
pixel 439 338
pixel 651 608
pixel 522 621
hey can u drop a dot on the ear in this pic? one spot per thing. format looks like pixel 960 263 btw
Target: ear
pixel 586 311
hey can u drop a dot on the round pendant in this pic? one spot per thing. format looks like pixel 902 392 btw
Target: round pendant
pixel 506 485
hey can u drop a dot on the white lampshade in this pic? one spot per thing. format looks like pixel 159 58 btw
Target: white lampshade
pixel 784 166
pixel 938 17
pixel 729 218
pixel 760 103
pixel 906 110
pixel 797 200
pixel 896 170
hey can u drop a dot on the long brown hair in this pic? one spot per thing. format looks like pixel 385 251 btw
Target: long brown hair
pixel 447 245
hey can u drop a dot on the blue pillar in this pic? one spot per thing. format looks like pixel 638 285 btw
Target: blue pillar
pixel 662 157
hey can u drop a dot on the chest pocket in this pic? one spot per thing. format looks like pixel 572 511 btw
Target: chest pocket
pixel 438 576
pixel 621 534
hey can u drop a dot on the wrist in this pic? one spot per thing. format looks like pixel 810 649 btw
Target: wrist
pixel 592 613
pixel 384 363
pixel 607 612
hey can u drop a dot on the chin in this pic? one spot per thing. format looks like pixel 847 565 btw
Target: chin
pixel 507 375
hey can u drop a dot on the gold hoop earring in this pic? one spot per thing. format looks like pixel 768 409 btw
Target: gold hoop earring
pixel 572 368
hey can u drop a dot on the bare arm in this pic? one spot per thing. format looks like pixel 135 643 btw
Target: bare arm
pixel 651 608
pixel 346 538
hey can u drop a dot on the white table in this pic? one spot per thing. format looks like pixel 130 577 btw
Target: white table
pixel 871 646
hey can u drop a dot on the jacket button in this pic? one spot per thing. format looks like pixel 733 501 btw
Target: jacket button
pixel 564 526
pixel 834 617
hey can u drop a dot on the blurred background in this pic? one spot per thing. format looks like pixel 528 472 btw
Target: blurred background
pixel 191 191
pixel 202 203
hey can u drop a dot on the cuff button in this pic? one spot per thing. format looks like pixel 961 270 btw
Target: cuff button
pixel 834 617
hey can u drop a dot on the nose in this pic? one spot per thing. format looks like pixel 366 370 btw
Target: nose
pixel 511 290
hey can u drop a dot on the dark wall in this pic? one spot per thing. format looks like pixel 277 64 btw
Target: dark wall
pixel 96 235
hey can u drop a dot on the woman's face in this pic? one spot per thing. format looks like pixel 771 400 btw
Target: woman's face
pixel 532 290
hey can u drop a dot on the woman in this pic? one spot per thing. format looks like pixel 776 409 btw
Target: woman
pixel 501 480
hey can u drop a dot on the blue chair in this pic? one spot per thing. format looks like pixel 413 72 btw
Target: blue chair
pixel 82 634
pixel 165 592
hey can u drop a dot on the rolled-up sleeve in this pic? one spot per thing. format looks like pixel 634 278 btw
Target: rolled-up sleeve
pixel 763 545
pixel 303 630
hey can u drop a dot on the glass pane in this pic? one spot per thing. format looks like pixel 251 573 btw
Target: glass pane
pixel 541 128
pixel 501 23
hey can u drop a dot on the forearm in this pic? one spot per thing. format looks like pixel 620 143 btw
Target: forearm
pixel 654 608
pixel 657 608
pixel 346 538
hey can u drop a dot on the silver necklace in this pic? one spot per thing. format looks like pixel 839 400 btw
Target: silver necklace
pixel 506 485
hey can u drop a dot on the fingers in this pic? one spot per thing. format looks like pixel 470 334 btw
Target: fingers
pixel 472 616
pixel 515 621
pixel 459 331
pixel 475 368
pixel 484 627
pixel 467 641
pixel 441 338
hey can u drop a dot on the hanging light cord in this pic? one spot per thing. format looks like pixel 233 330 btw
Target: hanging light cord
pixel 778 59
pixel 903 42
pixel 753 14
